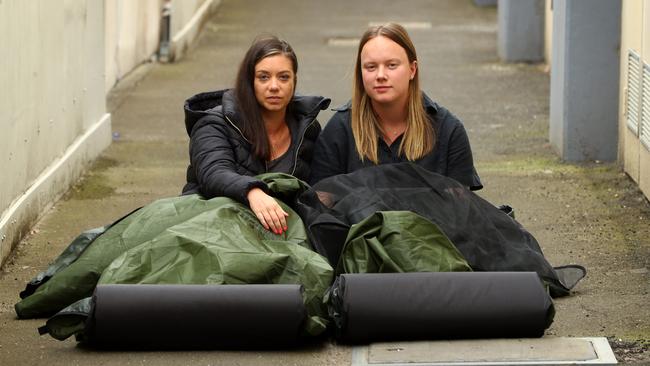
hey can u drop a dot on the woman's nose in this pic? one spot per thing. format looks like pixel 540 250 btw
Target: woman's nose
pixel 274 84
pixel 381 74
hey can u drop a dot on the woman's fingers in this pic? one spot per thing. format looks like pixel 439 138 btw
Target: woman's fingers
pixel 280 219
pixel 275 222
pixel 262 220
pixel 267 210
pixel 277 216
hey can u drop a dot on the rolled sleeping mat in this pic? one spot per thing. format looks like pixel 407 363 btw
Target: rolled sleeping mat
pixel 439 305
pixel 202 316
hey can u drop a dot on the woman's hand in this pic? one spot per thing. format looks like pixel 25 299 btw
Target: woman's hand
pixel 268 211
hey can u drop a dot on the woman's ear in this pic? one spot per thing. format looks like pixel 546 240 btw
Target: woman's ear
pixel 414 68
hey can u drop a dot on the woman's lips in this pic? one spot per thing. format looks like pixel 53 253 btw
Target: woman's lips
pixel 382 89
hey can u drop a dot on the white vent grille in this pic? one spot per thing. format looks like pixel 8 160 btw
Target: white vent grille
pixel 645 108
pixel 633 97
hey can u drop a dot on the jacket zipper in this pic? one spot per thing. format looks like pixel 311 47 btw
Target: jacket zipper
pixel 237 128
pixel 302 138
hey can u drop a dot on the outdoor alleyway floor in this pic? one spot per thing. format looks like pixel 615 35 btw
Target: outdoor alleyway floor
pixel 590 214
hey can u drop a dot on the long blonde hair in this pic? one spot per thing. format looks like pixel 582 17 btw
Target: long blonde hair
pixel 419 136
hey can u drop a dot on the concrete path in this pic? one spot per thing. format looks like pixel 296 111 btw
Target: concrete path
pixel 589 214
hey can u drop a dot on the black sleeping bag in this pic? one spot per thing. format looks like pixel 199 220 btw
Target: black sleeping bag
pixel 489 239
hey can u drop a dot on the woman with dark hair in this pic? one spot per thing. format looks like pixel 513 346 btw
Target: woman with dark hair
pixel 390 120
pixel 235 135
pixel 259 126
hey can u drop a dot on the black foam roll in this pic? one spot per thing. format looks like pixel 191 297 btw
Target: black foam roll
pixel 196 315
pixel 444 305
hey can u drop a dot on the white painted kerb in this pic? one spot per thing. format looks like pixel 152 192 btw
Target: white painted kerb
pixel 52 183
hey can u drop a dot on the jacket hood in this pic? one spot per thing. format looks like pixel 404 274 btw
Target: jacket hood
pixel 222 103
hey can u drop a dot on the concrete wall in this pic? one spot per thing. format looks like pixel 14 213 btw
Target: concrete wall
pixel 186 21
pixel 585 79
pixel 133 31
pixel 131 35
pixel 52 107
pixel 55 71
pixel 520 37
pixel 635 36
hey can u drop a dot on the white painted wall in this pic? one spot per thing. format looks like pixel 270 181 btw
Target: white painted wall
pixel 183 11
pixel 51 96
pixel 59 60
pixel 187 17
pixel 635 35
pixel 132 35
pixel 133 31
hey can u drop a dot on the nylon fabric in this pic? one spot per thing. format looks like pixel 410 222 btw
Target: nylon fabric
pixel 190 240
pixel 399 241
pixel 488 238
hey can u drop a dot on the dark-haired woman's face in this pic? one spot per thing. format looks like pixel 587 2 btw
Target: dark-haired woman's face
pixel 274 82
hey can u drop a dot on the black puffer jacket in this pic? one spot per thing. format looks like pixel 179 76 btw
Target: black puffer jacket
pixel 221 161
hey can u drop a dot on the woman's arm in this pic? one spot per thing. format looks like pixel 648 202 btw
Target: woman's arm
pixel 213 159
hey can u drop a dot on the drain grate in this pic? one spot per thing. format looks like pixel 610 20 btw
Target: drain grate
pixel 483 352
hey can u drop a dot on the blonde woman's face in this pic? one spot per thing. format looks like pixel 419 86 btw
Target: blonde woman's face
pixel 386 71
pixel 274 82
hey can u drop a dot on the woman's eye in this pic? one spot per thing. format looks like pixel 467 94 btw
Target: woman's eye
pixel 370 67
pixel 263 77
pixel 284 77
pixel 392 66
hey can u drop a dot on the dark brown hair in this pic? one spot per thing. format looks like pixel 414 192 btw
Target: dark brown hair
pixel 248 107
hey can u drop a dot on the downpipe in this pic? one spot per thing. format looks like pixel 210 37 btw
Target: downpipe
pixel 164 51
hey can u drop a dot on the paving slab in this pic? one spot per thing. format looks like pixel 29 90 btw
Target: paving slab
pixel 522 351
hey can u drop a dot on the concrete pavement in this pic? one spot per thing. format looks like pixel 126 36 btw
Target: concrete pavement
pixel 588 214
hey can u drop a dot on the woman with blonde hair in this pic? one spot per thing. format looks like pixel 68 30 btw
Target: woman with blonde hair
pixel 390 120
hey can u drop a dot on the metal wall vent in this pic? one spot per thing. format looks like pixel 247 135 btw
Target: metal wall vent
pixel 633 94
pixel 645 108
